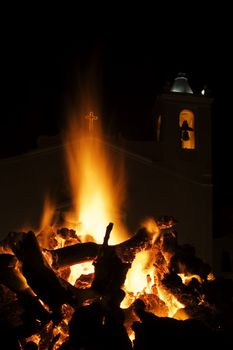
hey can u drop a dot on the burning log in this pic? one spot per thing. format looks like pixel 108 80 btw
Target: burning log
pixel 129 248
pixel 184 294
pixel 74 254
pixel 7 260
pixel 174 276
pixel 51 289
pixel 16 282
pixel 9 276
pixel 185 261
pixel 88 251
pixel 91 327
pixel 104 320
pixel 167 331
pixel 16 320
pixel 110 272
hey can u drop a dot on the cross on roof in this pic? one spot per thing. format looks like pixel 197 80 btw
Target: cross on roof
pixel 91 117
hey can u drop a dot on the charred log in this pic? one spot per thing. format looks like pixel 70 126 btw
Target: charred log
pixel 92 327
pixel 219 294
pixel 9 276
pixel 16 282
pixel 74 254
pixel 110 271
pixel 185 261
pixel 81 252
pixel 51 289
pixel 48 239
pixel 184 294
pixel 7 260
pixel 15 327
pixel 167 331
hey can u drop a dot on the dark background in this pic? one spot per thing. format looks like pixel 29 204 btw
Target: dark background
pixel 49 59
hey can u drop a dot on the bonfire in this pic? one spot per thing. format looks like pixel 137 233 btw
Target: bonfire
pixel 83 282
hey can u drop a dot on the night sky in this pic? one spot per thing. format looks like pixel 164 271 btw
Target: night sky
pixel 48 61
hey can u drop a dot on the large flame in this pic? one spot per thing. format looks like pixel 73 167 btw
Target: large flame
pixel 97 195
pixel 96 183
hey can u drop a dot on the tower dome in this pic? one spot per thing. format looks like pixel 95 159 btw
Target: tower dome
pixel 181 84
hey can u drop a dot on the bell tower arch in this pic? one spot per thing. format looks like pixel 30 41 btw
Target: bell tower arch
pixel 183 129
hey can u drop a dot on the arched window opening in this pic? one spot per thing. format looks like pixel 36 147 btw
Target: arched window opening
pixel 187 130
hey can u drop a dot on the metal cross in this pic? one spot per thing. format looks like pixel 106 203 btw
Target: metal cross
pixel 91 117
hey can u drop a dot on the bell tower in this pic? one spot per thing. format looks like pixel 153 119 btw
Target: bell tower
pixel 183 129
pixel 171 174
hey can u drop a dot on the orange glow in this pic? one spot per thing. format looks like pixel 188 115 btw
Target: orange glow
pixel 96 184
pixel 211 277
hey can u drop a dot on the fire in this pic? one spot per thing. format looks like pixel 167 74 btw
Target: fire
pixel 97 195
pixel 80 269
pixel 170 300
pixel 136 279
pixel 152 228
pixel 186 279
pixel 47 214
pixel 97 187
pixel 139 277
pixel 46 221
pixel 94 202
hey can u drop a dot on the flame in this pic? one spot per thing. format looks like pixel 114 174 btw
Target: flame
pixel 152 228
pixel 80 269
pixel 136 278
pixel 35 338
pixel 47 213
pixel 46 221
pixel 97 187
pixel 97 192
pixel 139 277
pixel 170 300
pixel 187 278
